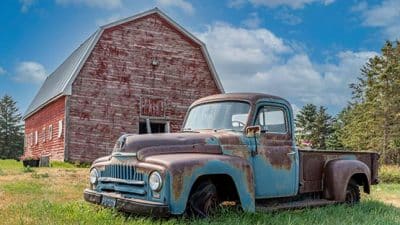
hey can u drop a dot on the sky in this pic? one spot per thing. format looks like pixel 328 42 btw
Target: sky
pixel 307 51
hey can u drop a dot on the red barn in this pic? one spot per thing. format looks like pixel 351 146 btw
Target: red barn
pixel 135 75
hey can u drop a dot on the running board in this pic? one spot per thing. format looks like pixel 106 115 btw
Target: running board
pixel 272 207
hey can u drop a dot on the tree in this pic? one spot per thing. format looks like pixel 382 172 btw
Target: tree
pixel 305 120
pixel 313 125
pixel 11 135
pixel 322 128
pixel 334 140
pixel 373 119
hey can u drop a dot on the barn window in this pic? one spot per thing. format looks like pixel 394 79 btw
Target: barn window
pixel 36 137
pixel 44 134
pixel 60 128
pixel 50 131
pixel 149 126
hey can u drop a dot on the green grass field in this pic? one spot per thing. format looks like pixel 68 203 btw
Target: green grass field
pixel 54 196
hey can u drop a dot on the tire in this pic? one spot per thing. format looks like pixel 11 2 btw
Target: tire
pixel 353 195
pixel 203 200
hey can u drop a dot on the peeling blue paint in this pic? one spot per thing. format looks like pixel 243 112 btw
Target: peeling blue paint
pixel 214 167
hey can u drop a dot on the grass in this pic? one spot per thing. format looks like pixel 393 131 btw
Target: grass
pixel 389 174
pixel 54 196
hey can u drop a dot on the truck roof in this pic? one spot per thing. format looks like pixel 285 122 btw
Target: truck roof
pixel 244 96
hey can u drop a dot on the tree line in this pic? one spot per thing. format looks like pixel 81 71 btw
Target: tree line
pixel 370 121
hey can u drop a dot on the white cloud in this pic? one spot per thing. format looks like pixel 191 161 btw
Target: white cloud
pixel 30 72
pixel 253 21
pixel 360 6
pixel 187 7
pixel 385 15
pixel 233 47
pixel 288 18
pixel 2 71
pixel 257 60
pixel 26 4
pixel 106 4
pixel 294 4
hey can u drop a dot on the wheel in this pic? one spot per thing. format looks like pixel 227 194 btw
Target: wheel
pixel 203 200
pixel 352 193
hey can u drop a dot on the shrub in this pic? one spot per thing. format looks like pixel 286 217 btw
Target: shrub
pixel 389 174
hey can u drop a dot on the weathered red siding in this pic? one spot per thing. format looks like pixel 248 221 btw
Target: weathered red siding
pixel 51 114
pixel 119 79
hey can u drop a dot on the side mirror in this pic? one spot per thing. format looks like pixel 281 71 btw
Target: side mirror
pixel 253 131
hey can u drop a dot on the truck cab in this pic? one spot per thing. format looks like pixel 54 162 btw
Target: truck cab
pixel 237 147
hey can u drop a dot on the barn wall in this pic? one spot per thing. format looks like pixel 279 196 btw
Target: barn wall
pixel 119 85
pixel 40 122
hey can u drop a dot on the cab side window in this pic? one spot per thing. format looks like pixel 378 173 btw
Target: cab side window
pixel 272 120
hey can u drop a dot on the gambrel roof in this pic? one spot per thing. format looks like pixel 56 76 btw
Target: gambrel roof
pixel 59 83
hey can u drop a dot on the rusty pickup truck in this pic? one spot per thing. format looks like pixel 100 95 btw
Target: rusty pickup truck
pixel 237 148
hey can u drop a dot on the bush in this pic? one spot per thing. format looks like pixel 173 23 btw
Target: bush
pixel 389 174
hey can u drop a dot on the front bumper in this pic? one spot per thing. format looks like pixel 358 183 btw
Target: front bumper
pixel 136 206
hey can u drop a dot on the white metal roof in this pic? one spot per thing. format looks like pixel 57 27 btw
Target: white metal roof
pixel 59 83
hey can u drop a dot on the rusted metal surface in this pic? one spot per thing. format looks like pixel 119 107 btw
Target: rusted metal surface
pixel 262 166
pixel 134 143
pixel 275 148
pixel 184 169
pixel 338 174
pixel 313 165
pixel 252 98
pixel 171 149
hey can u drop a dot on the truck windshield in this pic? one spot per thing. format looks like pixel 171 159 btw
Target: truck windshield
pixel 218 115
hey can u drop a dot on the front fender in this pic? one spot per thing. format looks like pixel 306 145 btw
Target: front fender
pixel 184 169
pixel 338 174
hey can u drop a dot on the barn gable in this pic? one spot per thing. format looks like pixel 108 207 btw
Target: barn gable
pixel 59 83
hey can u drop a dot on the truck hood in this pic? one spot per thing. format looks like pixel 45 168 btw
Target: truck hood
pixel 207 142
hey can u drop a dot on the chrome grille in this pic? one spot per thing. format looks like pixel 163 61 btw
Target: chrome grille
pixel 123 172
pixel 122 179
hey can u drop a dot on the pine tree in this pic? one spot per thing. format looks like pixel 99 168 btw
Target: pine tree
pixel 305 120
pixel 334 140
pixel 313 126
pixel 322 128
pixel 375 109
pixel 11 136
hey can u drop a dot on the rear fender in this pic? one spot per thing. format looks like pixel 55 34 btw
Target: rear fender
pixel 337 175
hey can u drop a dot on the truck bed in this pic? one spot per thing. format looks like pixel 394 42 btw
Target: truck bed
pixel 312 163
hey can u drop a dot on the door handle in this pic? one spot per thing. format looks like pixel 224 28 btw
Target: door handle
pixel 291 153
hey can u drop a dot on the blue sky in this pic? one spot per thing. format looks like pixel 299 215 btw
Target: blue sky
pixel 307 51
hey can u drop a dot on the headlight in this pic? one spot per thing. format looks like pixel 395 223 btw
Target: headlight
pixel 94 175
pixel 155 181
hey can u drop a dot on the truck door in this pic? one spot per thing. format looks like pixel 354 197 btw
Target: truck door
pixel 275 163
